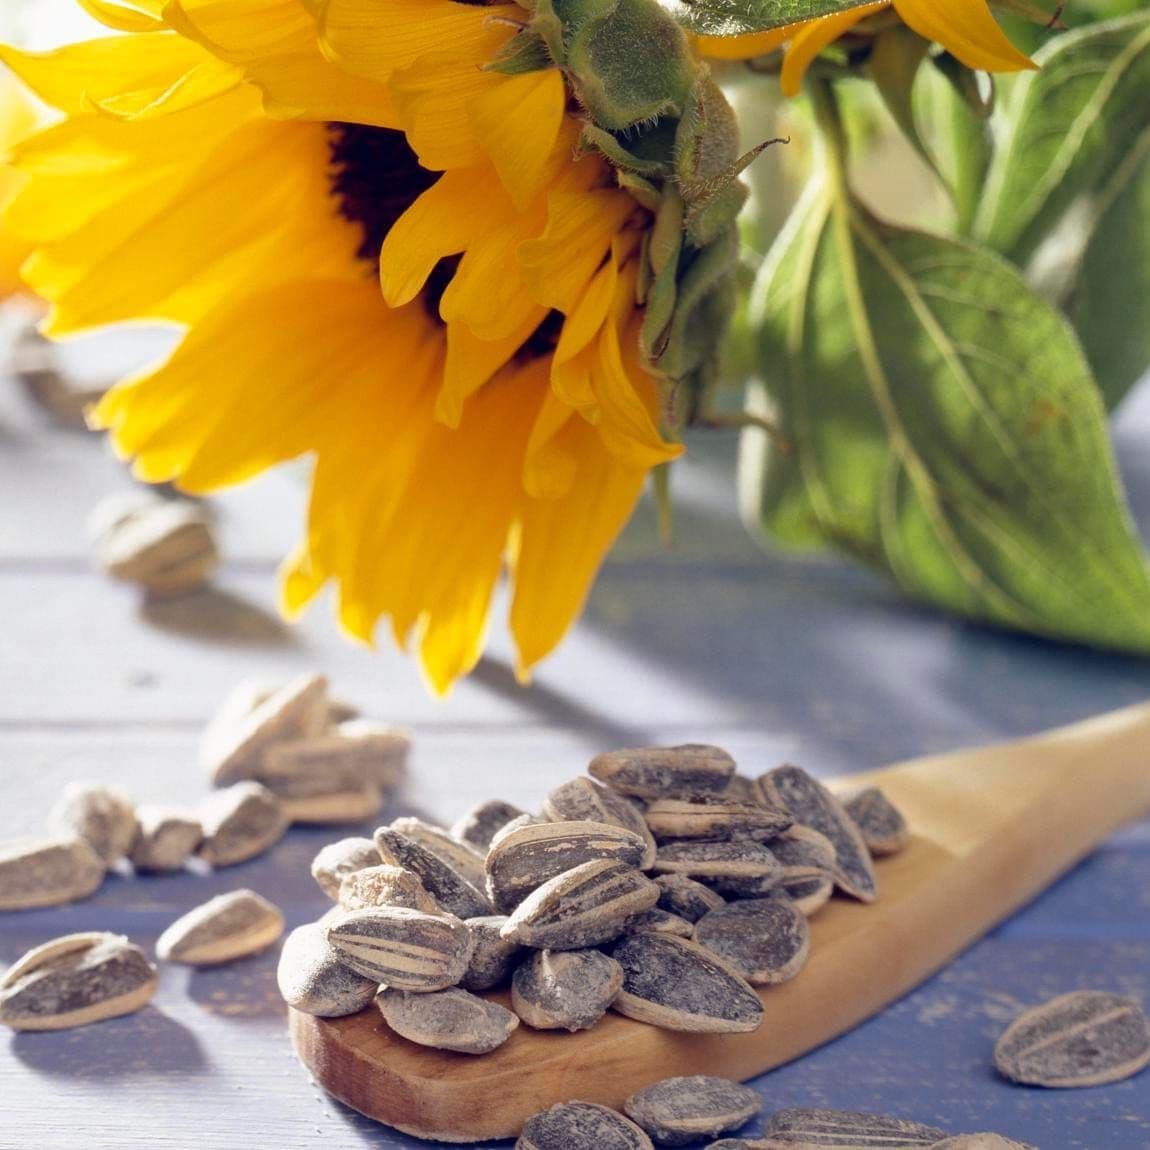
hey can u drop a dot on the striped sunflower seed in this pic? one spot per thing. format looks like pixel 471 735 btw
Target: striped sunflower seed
pixel 493 958
pixel 165 839
pixel 981 1142
pixel 524 859
pixel 660 922
pixel 744 866
pixel 462 858
pixel 47 872
pixel 684 772
pixel 479 825
pixel 565 989
pixel 75 980
pixel 1085 1038
pixel 385 885
pixel 381 750
pixel 450 889
pixel 102 816
pixel 581 1126
pixel 317 784
pixel 844 1130
pixel 588 905
pixel 339 859
pixel 523 820
pixel 584 800
pixel 223 929
pixel 808 861
pixel 406 949
pixel 815 807
pixel 686 898
pixel 741 789
pixel 239 823
pixel 737 1144
pixel 678 1111
pixel 679 985
pixel 313 979
pixel 718 818
pixel 451 1019
pixel 767 940
pixel 883 827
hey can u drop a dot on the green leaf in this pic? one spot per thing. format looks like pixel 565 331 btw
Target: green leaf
pixel 738 17
pixel 941 423
pixel 1071 125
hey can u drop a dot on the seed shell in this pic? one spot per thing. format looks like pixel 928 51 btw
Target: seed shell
pixel 316 783
pixel 1085 1038
pixel 742 789
pixel 165 839
pixel 815 807
pixel 339 859
pixel 462 859
pixel 581 1126
pixel 565 989
pixel 493 958
pixel 75 980
pixel 239 823
pixel 683 896
pixel 312 978
pixel 660 922
pixel 451 1019
pixel 844 1130
pixel 679 985
pixel 767 940
pixel 479 825
pixel 223 929
pixel 444 883
pixel 718 818
pixel 682 772
pixel 102 816
pixel 883 827
pixel 678 1111
pixel 585 800
pixel 981 1142
pixel 808 860
pixel 747 863
pixel 381 750
pixel 385 885
pixel 47 872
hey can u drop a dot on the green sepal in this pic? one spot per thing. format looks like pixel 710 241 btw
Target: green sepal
pixel 621 157
pixel 642 191
pixel 525 52
pixel 663 251
pixel 738 17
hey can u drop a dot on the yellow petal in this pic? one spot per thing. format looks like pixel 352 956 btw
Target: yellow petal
pixel 813 37
pixel 967 29
pixel 550 467
pixel 745 47
pixel 136 16
pixel 243 31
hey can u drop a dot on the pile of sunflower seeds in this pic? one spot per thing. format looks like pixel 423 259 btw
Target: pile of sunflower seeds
pixel 664 887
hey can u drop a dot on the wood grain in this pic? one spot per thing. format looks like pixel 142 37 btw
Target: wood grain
pixel 993 827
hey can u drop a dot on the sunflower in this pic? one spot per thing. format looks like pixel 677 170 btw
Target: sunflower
pixel 18 119
pixel 396 243
pixel 965 28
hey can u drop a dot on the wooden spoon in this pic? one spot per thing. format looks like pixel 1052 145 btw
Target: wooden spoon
pixel 992 827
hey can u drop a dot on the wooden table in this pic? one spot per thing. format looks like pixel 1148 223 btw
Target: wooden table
pixel 776 659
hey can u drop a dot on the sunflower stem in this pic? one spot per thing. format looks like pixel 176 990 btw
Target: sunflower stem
pixel 832 132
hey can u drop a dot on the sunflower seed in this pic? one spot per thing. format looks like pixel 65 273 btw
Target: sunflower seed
pixel 493 958
pixel 526 858
pixel 581 1126
pixel 165 839
pixel 717 818
pixel 75 980
pixel 844 1130
pixel 745 868
pixel 679 985
pixel 808 861
pixel 584 800
pixel 737 1144
pixel 447 1019
pixel 478 827
pixel 239 823
pixel 385 885
pixel 766 940
pixel 588 905
pixel 565 990
pixel 459 856
pixel 741 789
pixel 47 872
pixel 660 922
pixel 981 1142
pixel 683 896
pixel 312 978
pixel 232 748
pixel 444 883
pixel 883 828
pixel 677 1111
pixel 339 859
pixel 315 787
pixel 229 926
pixel 815 807
pixel 1081 1039
pixel 102 816
pixel 404 948
pixel 523 820
pixel 382 750
pixel 684 772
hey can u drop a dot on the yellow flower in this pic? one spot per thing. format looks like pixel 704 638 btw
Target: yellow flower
pixel 18 119
pixel 245 168
pixel 965 28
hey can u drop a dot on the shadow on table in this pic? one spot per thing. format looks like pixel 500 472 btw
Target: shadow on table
pixel 213 615
pixel 242 990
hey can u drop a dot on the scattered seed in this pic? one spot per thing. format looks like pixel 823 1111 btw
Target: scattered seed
pixel 683 772
pixel 75 980
pixel 683 896
pixel 1085 1038
pixel 339 859
pixel 660 922
pixel 239 823
pixel 745 865
pixel 584 800
pixel 588 905
pixel 385 885
pixel 581 1126
pixel 718 818
pixel 451 1019
pixel 479 825
pixel 102 816
pixel 742 789
pixel 524 859
pixel 312 978
pixel 815 807
pixel 444 883
pixel 381 749
pixel 404 948
pixel 314 786
pixel 678 1111
pixel 230 926
pixel 493 958
pixel 462 858
pixel 844 1130
pixel 883 827
pixel 47 872
pixel 679 985
pixel 565 989
pixel 981 1142
pixel 165 839
pixel 767 940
